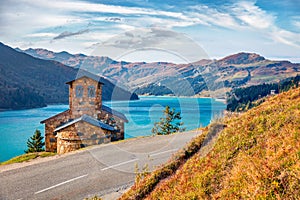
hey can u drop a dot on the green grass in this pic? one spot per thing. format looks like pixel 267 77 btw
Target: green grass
pixel 27 157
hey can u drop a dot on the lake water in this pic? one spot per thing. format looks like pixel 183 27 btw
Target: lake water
pixel 17 126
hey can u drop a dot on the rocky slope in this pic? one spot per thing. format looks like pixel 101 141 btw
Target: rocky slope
pixel 27 82
pixel 162 78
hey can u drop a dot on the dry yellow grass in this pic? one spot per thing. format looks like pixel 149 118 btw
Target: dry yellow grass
pixel 257 156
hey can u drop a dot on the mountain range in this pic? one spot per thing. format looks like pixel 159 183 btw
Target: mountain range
pixel 203 78
pixel 36 77
pixel 27 82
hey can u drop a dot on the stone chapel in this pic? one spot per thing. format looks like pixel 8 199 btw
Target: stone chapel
pixel 86 122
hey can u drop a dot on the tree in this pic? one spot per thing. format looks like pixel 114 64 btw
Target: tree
pixel 35 143
pixel 168 124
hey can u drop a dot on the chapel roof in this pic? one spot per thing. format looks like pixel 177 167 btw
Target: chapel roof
pixel 54 116
pixel 83 73
pixel 88 119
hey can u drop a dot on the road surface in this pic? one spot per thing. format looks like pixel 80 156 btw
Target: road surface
pixel 95 171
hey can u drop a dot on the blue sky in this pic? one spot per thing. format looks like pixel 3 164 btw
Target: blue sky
pixel 167 29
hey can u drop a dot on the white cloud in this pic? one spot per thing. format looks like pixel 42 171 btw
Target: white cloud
pixel 67 12
pixel 246 15
pixel 18 21
pixel 97 36
pixel 82 6
pixel 286 37
pixel 264 23
pixel 252 15
pixel 210 17
pixel 125 27
pixel 241 15
pixel 156 21
pixel 154 39
pixel 40 21
pixel 41 35
pixel 296 21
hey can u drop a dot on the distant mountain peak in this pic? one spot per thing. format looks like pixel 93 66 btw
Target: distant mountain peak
pixel 72 60
pixel 242 58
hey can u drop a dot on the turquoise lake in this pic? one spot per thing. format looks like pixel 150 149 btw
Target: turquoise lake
pixel 17 126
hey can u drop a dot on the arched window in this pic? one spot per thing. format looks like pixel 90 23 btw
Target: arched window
pixel 79 91
pixel 91 91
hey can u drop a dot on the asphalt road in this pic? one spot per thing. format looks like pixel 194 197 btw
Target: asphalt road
pixel 96 171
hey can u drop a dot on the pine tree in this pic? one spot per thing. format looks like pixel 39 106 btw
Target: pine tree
pixel 35 143
pixel 168 124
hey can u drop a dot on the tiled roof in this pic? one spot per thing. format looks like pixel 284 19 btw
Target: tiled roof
pixel 114 112
pixel 88 119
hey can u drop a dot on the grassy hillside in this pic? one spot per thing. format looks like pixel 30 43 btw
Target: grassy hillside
pixel 257 156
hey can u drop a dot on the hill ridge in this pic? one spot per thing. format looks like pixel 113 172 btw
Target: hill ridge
pixel 205 77
pixel 29 82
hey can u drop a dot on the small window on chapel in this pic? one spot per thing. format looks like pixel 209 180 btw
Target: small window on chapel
pixel 79 91
pixel 91 91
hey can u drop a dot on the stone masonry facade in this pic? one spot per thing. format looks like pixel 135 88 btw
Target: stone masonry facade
pixel 87 122
pixel 80 135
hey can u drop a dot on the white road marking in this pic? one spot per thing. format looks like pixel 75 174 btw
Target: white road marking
pixel 62 183
pixel 156 154
pixel 122 163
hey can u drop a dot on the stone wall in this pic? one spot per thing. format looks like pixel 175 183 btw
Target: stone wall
pixel 85 104
pixel 80 134
pixel 114 121
pixel 50 126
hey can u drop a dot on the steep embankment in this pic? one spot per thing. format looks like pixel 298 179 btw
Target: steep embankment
pixel 256 156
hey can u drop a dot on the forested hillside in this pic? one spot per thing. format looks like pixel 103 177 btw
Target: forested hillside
pixel 241 99
pixel 28 82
